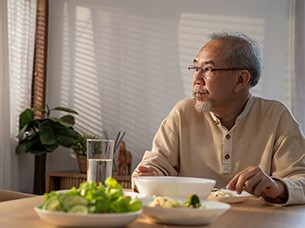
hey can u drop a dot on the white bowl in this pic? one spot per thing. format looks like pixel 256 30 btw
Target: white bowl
pixel 207 213
pixel 174 186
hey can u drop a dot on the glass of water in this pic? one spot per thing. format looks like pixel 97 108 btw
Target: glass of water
pixel 99 159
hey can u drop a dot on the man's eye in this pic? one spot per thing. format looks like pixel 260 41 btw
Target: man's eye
pixel 207 69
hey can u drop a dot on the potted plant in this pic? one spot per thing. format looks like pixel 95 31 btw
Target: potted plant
pixel 43 135
pixel 39 134
pixel 80 149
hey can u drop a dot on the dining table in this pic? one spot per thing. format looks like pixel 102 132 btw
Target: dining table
pixel 252 212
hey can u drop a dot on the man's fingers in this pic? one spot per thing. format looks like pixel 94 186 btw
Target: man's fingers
pixel 146 171
pixel 143 169
pixel 243 180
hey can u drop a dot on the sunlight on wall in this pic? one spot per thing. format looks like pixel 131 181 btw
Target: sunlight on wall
pixel 109 80
pixel 80 71
pixel 123 67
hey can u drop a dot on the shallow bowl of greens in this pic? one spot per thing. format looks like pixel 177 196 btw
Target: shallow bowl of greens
pixel 88 220
pixel 91 205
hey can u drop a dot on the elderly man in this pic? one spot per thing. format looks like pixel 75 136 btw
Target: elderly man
pixel 245 143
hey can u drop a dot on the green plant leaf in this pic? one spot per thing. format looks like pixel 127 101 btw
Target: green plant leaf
pixel 50 148
pixel 68 119
pixel 28 130
pixel 66 136
pixel 38 149
pixel 60 108
pixel 21 134
pixel 26 145
pixel 33 144
pixel 25 117
pixel 47 134
pixel 60 121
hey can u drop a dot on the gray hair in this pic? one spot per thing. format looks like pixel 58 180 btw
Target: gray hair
pixel 244 53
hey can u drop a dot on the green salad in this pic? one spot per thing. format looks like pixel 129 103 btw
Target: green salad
pixel 91 197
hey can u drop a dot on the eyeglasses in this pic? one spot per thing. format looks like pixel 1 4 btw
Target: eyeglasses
pixel 205 71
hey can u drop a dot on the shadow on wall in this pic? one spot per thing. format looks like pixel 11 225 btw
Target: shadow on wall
pixel 123 69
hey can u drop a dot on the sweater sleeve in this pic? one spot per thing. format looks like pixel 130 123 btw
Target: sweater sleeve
pixel 289 160
pixel 164 155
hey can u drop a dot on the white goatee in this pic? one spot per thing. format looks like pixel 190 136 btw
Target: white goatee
pixel 203 106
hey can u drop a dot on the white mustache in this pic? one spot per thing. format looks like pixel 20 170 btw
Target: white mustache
pixel 198 90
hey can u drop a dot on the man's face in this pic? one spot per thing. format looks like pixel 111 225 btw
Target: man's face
pixel 212 90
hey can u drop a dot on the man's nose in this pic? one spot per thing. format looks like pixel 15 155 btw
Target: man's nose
pixel 198 79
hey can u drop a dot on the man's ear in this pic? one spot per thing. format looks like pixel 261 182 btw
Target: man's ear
pixel 243 80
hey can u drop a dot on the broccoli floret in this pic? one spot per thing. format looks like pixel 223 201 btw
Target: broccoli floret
pixel 193 201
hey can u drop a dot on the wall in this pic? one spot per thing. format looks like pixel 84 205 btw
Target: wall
pixel 123 64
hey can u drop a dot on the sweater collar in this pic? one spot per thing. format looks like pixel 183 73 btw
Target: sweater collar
pixel 241 115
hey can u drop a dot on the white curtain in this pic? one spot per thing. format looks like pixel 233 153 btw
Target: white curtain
pixel 17 26
pixel 5 158
pixel 298 85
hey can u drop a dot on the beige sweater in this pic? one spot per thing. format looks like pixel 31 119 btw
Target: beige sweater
pixel 265 134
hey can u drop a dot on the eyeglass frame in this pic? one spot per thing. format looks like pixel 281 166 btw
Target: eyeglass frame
pixel 208 69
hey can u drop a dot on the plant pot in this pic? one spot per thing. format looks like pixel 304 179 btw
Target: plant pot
pixel 82 163
pixel 40 174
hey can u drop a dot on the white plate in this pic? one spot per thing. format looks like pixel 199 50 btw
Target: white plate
pixel 90 220
pixel 235 198
pixel 184 216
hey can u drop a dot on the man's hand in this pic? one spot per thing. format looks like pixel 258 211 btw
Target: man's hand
pixel 258 183
pixel 143 171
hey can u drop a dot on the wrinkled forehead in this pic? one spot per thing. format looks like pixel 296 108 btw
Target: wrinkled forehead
pixel 214 52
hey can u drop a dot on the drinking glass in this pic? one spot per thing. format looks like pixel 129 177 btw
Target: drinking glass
pixel 99 159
